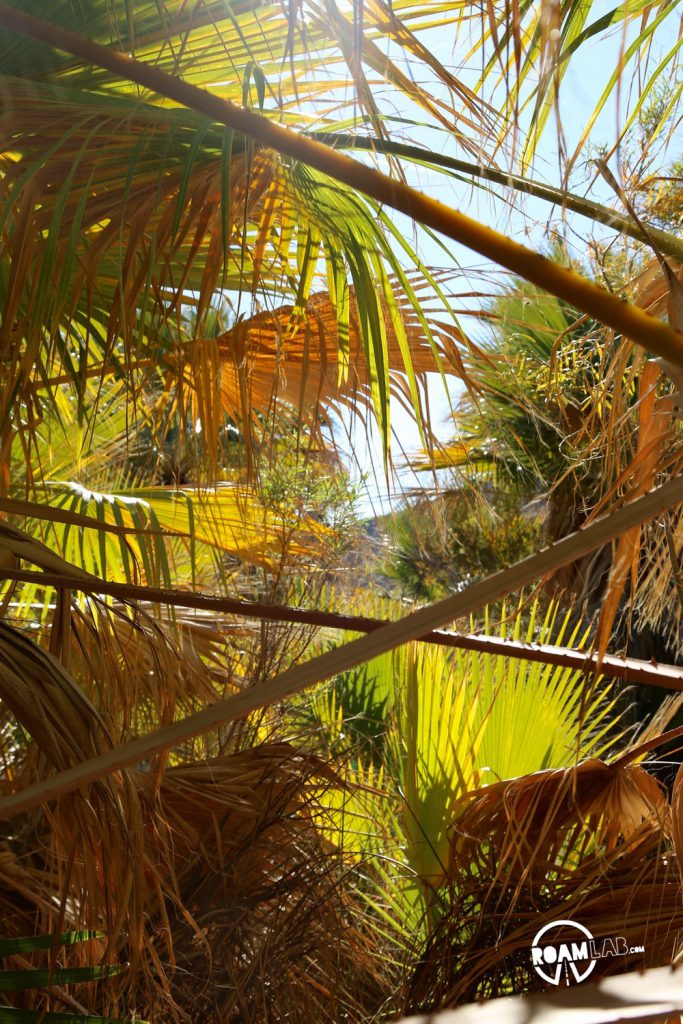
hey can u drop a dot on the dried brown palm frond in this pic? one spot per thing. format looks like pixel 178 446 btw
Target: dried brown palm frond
pixel 209 877
pixel 143 669
pixel 643 443
pixel 93 845
pixel 302 360
pixel 84 859
pixel 270 925
pixel 587 844
pixel 140 670
pixel 653 451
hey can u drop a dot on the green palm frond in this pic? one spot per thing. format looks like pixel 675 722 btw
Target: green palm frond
pixel 538 394
pixel 116 211
pixel 451 722
pixel 39 978
pixel 158 535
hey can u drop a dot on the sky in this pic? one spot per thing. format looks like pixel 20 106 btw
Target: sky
pixel 582 84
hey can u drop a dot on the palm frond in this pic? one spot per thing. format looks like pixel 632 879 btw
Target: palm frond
pixel 357 651
pixel 586 843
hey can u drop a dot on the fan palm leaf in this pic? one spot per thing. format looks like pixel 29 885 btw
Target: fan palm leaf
pixel 228 519
pixel 356 652
pixel 589 843
pixel 440 727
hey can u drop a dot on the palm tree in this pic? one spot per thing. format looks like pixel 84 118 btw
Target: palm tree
pixel 158 163
pixel 533 426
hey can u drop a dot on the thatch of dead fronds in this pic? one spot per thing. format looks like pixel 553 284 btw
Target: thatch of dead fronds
pixel 208 878
pixel 588 844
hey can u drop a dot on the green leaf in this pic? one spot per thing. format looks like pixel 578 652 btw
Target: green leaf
pixel 14 981
pixel 252 70
pixel 8 947
pixel 11 1015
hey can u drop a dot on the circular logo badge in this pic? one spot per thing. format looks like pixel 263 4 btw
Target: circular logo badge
pixel 563 949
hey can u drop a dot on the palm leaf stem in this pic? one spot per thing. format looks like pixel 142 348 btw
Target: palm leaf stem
pixel 627 319
pixel 630 670
pixel 38 510
pixel 666 242
pixel 354 653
